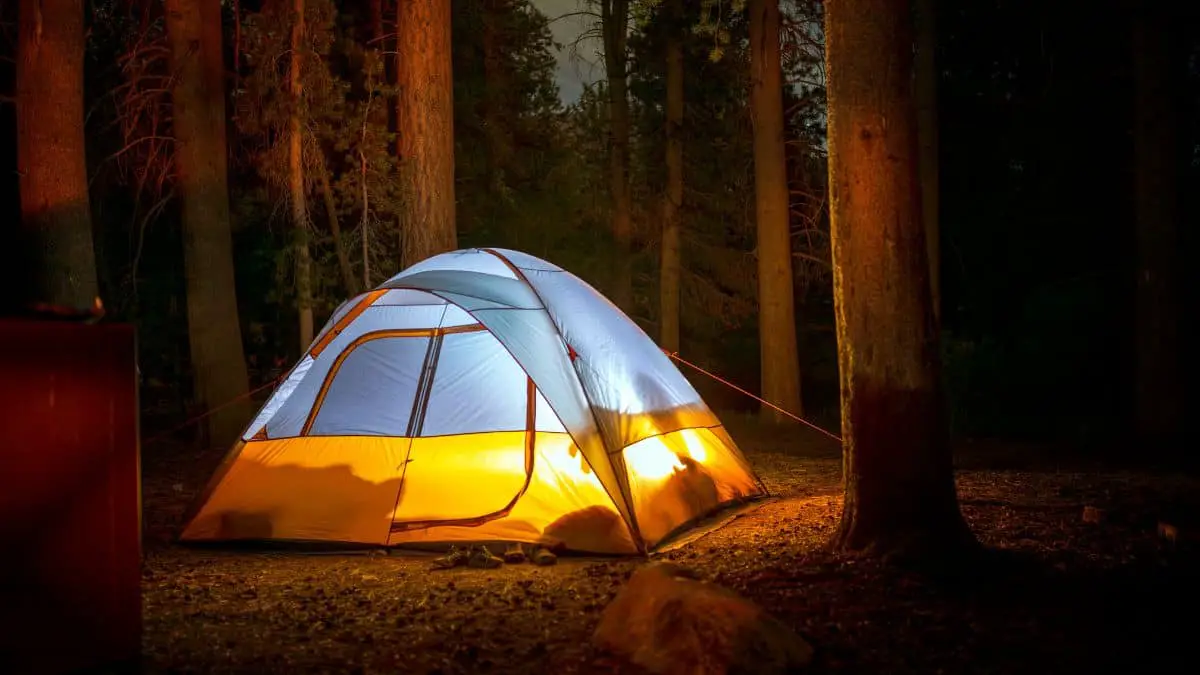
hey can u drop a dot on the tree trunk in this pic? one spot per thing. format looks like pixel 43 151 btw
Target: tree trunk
pixel 671 265
pixel 376 10
pixel 296 188
pixel 425 120
pixel 56 225
pixel 198 101
pixel 614 20
pixel 365 224
pixel 927 133
pixel 1158 389
pixel 780 362
pixel 349 281
pixel 386 46
pixel 898 475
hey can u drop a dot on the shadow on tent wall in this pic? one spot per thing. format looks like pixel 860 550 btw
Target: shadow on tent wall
pixel 70 520
pixel 520 485
pixel 259 529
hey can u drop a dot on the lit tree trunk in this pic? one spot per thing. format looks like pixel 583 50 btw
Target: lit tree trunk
pixel 898 475
pixel 52 171
pixel 927 133
pixel 780 362
pixel 198 102
pixel 304 302
pixel 1158 389
pixel 425 122
pixel 671 265
pixel 614 20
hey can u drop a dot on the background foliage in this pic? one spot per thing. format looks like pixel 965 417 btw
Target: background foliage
pixel 1035 170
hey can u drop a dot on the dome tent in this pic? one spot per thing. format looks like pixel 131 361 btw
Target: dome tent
pixel 480 395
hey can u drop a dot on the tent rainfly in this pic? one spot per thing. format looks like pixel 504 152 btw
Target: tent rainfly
pixel 482 395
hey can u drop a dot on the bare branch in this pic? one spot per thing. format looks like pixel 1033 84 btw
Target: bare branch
pixel 568 15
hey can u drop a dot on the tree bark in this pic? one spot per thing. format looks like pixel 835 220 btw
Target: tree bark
pixel 1158 389
pixel 671 265
pixel 198 102
pixel 57 252
pixel 425 120
pixel 614 20
pixel 780 361
pixel 898 474
pixel 927 133
pixel 296 186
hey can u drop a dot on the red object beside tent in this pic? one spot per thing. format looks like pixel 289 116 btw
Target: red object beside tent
pixel 70 520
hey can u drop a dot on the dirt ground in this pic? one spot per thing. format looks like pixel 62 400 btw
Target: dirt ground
pixel 1060 595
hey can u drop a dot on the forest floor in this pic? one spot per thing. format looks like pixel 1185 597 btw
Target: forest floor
pixel 1070 595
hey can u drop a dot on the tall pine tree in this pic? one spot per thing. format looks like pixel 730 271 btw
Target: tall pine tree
pixel 897 469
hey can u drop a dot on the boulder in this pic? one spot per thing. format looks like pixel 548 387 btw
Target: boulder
pixel 669 622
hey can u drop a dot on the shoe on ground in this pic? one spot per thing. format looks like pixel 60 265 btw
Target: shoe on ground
pixel 455 557
pixel 514 554
pixel 482 558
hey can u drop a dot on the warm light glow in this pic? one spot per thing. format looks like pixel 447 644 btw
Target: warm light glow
pixel 567 461
pixel 651 459
pixel 695 446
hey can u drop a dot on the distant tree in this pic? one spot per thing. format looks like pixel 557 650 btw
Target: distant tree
pixel 52 170
pixel 316 133
pixel 362 90
pixel 671 265
pixel 1158 387
pixel 614 27
pixel 376 9
pixel 509 150
pixel 198 120
pixel 898 474
pixel 495 82
pixel 926 76
pixel 425 123
pixel 350 283
pixel 296 184
pixel 383 42
pixel 780 362
pixel 718 288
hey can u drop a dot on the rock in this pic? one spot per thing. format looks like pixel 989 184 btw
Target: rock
pixel 668 622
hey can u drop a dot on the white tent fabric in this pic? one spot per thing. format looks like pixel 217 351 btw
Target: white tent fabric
pixel 494 341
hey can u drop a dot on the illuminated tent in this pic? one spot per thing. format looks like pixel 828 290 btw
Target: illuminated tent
pixel 482 395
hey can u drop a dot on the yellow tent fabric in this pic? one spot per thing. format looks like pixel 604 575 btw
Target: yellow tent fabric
pixel 481 395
